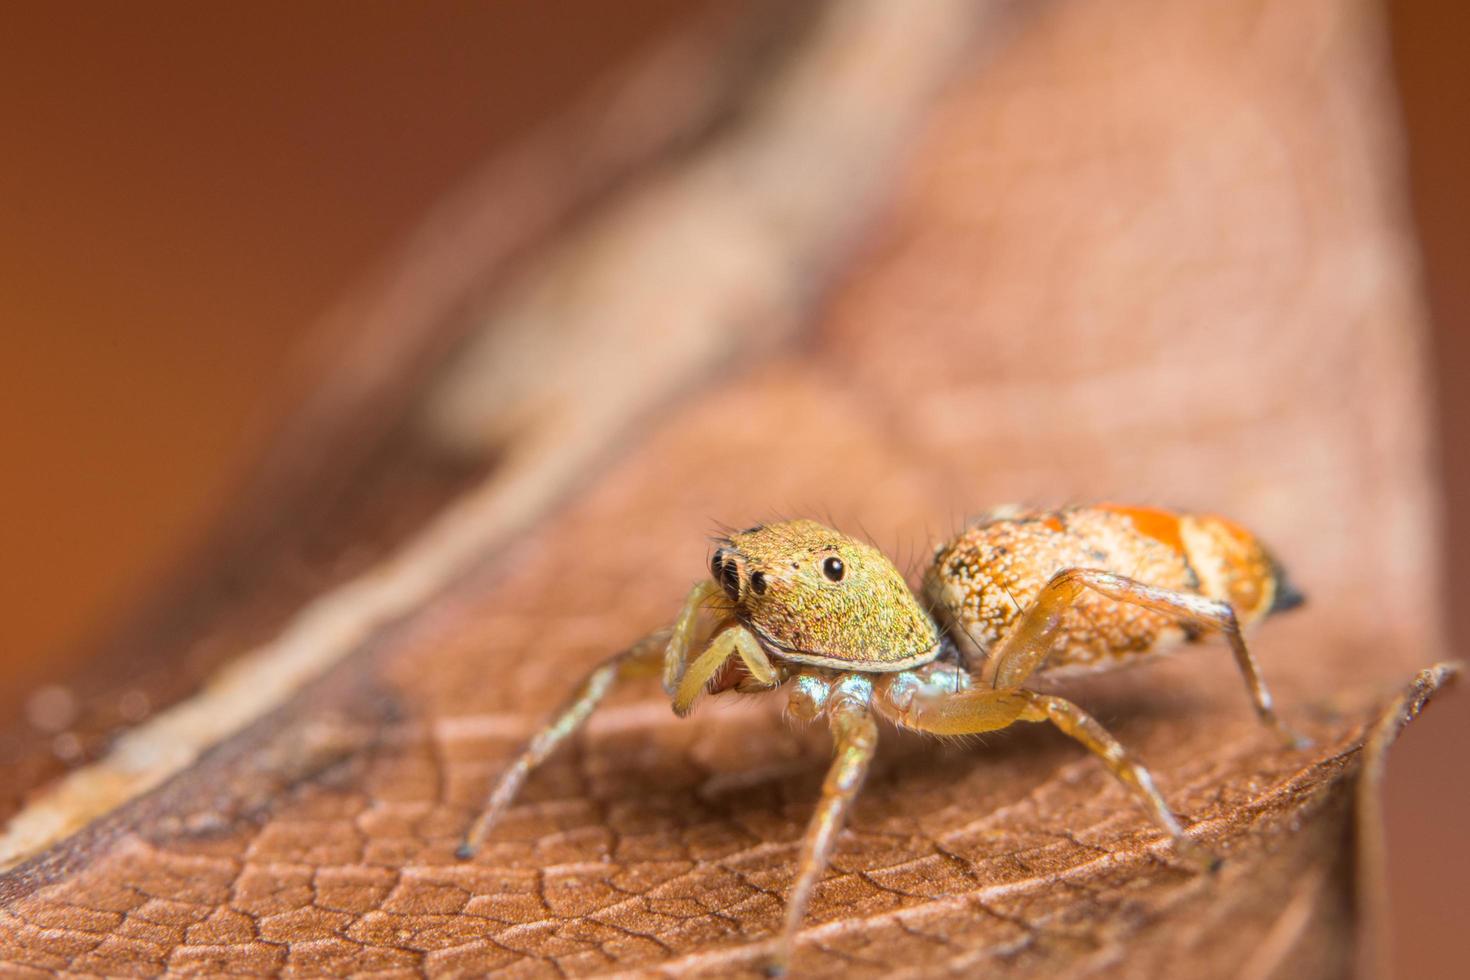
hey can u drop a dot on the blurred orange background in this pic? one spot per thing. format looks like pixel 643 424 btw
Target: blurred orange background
pixel 187 192
pixel 189 189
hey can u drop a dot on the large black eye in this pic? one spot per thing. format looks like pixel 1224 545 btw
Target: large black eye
pixel 834 569
pixel 727 573
pixel 758 582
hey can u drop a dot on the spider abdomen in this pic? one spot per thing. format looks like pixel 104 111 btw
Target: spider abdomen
pixel 983 580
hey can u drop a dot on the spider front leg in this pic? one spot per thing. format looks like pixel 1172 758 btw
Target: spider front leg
pixel 639 660
pixel 676 654
pixel 733 640
pixel 855 739
pixel 1029 642
pixel 979 709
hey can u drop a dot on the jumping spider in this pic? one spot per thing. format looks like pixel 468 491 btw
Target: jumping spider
pixel 1018 594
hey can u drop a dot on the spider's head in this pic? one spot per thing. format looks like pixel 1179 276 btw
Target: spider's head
pixel 815 595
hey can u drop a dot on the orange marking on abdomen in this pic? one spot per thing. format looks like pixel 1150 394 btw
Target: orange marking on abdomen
pixel 1154 522
pixel 1244 537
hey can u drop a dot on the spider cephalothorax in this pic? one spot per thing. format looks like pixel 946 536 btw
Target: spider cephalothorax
pixel 1028 592
pixel 814 596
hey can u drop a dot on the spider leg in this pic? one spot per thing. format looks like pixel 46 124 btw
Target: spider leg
pixel 982 709
pixel 1084 728
pixel 855 738
pixel 938 710
pixel 734 640
pixel 676 654
pixel 1028 644
pixel 639 660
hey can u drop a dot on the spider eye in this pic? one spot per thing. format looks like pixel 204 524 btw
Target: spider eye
pixel 758 582
pixel 834 569
pixel 727 573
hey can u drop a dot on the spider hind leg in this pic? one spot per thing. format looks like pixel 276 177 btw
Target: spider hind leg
pixel 1026 648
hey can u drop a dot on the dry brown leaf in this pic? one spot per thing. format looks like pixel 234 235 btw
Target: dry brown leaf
pixel 1178 278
